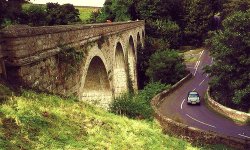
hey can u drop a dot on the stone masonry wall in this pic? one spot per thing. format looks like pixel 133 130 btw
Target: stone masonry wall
pixel 228 112
pixel 32 55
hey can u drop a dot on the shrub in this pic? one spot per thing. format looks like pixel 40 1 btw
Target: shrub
pixel 138 106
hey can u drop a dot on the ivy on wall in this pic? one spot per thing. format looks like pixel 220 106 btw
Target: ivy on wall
pixel 69 61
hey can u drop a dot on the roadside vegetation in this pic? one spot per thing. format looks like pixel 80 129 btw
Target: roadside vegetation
pixel 29 120
pixel 138 105
pixel 230 71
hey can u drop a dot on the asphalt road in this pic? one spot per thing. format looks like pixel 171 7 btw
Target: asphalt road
pixel 175 105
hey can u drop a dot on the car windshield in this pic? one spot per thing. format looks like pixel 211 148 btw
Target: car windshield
pixel 193 95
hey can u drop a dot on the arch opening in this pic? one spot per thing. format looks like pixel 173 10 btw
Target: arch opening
pixel 143 34
pixel 139 43
pixel 120 76
pixel 132 62
pixel 97 88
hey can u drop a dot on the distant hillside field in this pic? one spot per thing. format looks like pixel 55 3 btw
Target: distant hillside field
pixel 85 11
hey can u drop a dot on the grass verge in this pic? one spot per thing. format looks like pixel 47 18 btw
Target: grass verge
pixel 192 56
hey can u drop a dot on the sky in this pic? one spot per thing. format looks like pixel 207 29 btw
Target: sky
pixel 97 3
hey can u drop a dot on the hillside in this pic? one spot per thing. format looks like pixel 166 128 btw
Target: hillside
pixel 39 121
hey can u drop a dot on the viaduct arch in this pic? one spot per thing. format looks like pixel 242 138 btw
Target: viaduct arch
pixel 30 56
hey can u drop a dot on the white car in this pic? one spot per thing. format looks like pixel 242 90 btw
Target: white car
pixel 193 98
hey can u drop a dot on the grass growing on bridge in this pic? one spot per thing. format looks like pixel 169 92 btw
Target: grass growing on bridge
pixel 41 121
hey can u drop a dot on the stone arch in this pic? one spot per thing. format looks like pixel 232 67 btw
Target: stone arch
pixel 143 34
pixel 139 39
pixel 120 75
pixel 132 62
pixel 95 84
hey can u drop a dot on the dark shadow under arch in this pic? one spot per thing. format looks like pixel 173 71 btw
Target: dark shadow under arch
pixel 97 86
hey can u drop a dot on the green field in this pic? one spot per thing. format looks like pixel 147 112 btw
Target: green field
pixel 85 12
pixel 39 121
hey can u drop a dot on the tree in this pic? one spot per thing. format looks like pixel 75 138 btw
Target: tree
pixel 166 30
pixel 232 6
pixel 61 14
pixel 116 10
pixel 34 15
pixel 69 14
pixel 10 10
pixel 198 20
pixel 166 66
pixel 230 71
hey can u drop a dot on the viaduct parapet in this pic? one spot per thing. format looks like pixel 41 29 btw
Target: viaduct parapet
pixel 95 62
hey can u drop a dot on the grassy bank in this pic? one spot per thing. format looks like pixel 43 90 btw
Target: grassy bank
pixel 41 121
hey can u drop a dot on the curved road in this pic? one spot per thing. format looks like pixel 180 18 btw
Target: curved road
pixel 175 106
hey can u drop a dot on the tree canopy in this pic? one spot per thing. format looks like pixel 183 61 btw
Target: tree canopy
pixel 11 12
pixel 230 71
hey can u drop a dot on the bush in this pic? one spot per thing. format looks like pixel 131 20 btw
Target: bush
pixel 138 106
pixel 166 67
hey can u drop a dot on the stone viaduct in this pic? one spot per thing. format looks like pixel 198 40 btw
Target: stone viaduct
pixel 95 62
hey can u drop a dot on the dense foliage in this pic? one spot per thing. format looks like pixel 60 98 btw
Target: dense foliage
pixel 63 14
pixel 166 67
pixel 231 6
pixel 11 12
pixel 197 21
pixel 190 19
pixel 52 14
pixel 138 106
pixel 231 69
